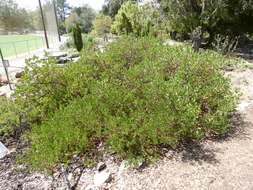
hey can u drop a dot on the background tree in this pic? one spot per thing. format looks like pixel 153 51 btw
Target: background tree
pixel 209 17
pixel 111 7
pixel 135 19
pixel 83 16
pixel 63 9
pixel 102 26
pixel 35 17
pixel 13 18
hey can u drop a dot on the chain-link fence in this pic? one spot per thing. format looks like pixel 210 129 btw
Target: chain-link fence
pixel 50 20
pixel 17 45
pixel 15 48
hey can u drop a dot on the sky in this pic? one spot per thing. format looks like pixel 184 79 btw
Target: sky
pixel 32 4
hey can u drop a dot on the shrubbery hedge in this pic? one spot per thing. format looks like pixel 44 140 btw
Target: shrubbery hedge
pixel 134 97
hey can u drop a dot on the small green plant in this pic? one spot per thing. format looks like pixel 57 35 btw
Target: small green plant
pixel 10 118
pixel 77 36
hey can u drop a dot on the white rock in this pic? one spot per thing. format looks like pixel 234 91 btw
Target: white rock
pixel 70 176
pixel 121 184
pixel 102 177
pixel 3 150
pixel 243 105
pixel 123 166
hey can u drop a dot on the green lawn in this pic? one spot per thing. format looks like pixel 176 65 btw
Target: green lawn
pixel 17 44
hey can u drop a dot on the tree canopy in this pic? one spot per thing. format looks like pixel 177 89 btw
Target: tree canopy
pixel 63 8
pixel 83 16
pixel 101 25
pixel 111 7
pixel 13 18
pixel 217 16
pixel 135 19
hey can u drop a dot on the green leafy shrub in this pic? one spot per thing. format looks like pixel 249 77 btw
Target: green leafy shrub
pixel 134 97
pixel 163 95
pixel 74 129
pixel 137 20
pixel 45 86
pixel 10 118
pixel 77 37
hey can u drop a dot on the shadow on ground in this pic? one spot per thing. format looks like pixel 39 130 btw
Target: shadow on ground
pixel 245 51
pixel 204 151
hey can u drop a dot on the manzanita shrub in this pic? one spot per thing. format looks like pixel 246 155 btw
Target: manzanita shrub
pixel 132 98
pixel 46 86
pixel 10 119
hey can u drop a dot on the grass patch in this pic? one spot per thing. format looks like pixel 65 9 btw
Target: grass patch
pixel 18 44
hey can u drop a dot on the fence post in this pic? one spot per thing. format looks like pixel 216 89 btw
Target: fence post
pixel 36 44
pixel 5 68
pixel 43 23
pixel 28 47
pixel 13 44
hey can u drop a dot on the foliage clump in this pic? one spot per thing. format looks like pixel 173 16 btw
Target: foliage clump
pixel 217 17
pixel 101 26
pixel 11 119
pixel 133 98
pixel 136 20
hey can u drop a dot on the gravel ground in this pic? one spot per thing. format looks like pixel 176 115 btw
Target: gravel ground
pixel 220 163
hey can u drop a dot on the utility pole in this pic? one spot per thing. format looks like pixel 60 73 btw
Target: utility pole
pixel 43 22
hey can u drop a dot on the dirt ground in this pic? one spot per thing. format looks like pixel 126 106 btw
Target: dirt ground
pixel 220 163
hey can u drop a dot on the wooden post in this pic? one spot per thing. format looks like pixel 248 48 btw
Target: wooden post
pixel 43 22
pixel 57 23
pixel 5 68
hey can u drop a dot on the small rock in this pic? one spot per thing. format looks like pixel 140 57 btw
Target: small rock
pixel 74 56
pixel 89 187
pixel 62 61
pixel 75 59
pixel 123 166
pixel 101 166
pixel 19 75
pixel 102 177
pixel 58 55
pixel 70 176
